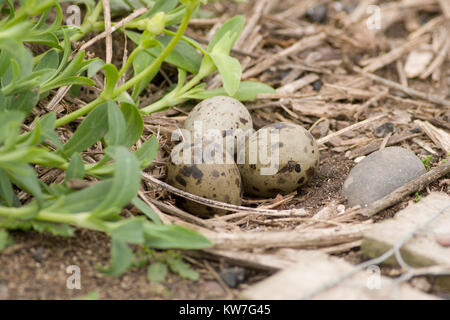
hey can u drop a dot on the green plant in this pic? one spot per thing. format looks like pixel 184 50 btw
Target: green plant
pixel 160 262
pixel 427 162
pixel 112 120
pixel 417 197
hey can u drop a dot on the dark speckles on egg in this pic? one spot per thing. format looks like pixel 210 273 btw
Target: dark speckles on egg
pixel 301 180
pixel 215 174
pixel 281 180
pixel 180 180
pixel 193 170
pixel 298 168
pixel 310 172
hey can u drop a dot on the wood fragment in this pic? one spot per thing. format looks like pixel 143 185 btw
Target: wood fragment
pixel 412 92
pixel 438 136
pixel 222 205
pixel 422 250
pixel 298 84
pixel 389 57
pixel 349 128
pixel 107 20
pixel 374 146
pixel 314 270
pixel 288 239
pixel 305 43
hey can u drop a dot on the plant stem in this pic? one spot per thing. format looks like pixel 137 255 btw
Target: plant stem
pixel 172 99
pixel 80 112
pixel 140 76
pixel 23 211
pixel 144 73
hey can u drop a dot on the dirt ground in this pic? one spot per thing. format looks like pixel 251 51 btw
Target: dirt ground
pixel 340 95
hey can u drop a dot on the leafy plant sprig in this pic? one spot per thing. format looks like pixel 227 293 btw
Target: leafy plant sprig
pixel 113 120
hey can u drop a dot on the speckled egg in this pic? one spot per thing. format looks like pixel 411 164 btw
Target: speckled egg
pixel 215 180
pixel 278 159
pixel 221 113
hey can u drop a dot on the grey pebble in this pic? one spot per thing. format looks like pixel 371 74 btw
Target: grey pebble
pixel 379 174
pixel 233 276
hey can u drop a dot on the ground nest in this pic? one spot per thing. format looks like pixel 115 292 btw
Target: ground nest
pixel 348 82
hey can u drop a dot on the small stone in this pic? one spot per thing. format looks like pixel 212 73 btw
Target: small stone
pixel 321 129
pixel 39 254
pixel 317 14
pixel 317 85
pixel 384 129
pixel 233 276
pixel 379 174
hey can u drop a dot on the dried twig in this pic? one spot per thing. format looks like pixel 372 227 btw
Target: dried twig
pixel 349 128
pixel 314 238
pixel 412 92
pixel 107 19
pixel 222 205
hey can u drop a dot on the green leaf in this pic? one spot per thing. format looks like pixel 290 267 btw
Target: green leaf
pixel 126 180
pixel 23 176
pixel 82 81
pixel 6 190
pixel 116 125
pixel 48 124
pixel 173 237
pixel 183 56
pixel 94 67
pixel 130 231
pixel 13 120
pixel 5 240
pixel 147 152
pixel 57 229
pixel 121 258
pixel 140 62
pixel 91 130
pixel 125 98
pixel 230 71
pixel 76 168
pixel 149 212
pixel 157 272
pixel 134 123
pixel 46 39
pixel 25 101
pixel 248 90
pixel 161 6
pixel 112 76
pixel 84 200
pixel 181 268
pixel 50 60
pixel 232 28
